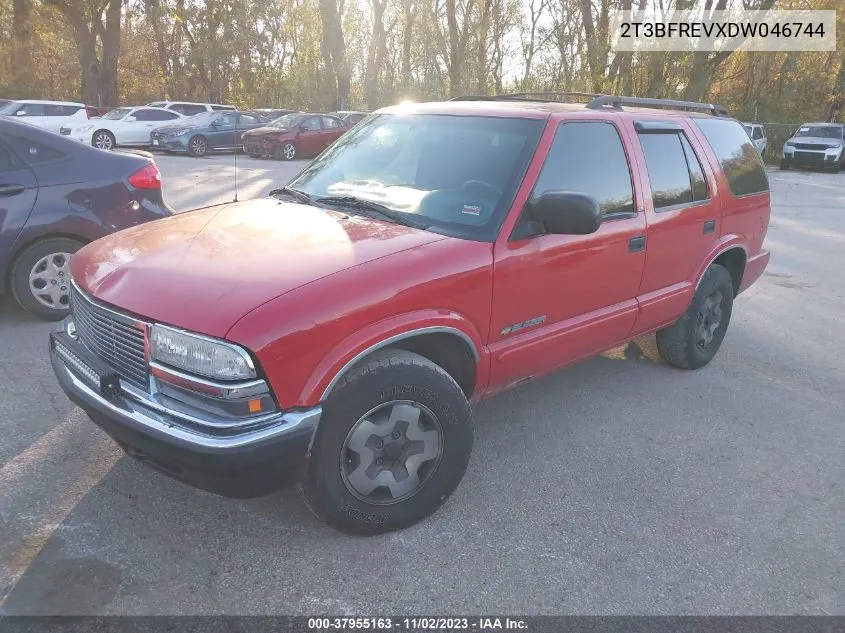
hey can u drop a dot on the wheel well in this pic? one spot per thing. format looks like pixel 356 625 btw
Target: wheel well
pixel 734 261
pixel 449 352
pixel 7 282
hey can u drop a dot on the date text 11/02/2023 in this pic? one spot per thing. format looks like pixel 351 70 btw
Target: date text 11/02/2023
pixel 416 624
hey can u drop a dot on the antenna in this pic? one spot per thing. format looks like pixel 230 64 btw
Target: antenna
pixel 240 139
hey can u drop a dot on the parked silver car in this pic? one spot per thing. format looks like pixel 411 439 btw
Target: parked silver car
pixel 757 134
pixel 816 145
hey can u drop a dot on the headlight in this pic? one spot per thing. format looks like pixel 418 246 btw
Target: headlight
pixel 85 128
pixel 180 132
pixel 200 355
pixel 789 144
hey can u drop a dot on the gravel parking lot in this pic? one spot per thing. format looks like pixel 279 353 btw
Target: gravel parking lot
pixel 617 486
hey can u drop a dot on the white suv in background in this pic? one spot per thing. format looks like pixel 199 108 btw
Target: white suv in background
pixel 757 134
pixel 50 115
pixel 189 108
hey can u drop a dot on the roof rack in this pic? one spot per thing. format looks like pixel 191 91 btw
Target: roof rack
pixel 615 102
pixel 599 101
pixel 559 97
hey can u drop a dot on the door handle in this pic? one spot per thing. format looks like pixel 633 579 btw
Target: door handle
pixel 636 244
pixel 11 190
pixel 709 226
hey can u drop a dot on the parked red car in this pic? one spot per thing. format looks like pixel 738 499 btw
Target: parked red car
pixel 297 135
pixel 335 333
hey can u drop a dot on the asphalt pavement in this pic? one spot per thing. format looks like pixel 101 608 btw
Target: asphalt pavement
pixel 618 486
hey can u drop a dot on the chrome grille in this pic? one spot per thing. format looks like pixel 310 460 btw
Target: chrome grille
pixel 112 337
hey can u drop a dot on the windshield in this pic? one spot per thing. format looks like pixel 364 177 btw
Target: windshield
pixel 203 118
pixel 459 174
pixel 287 122
pixel 116 114
pixel 822 131
pixel 10 108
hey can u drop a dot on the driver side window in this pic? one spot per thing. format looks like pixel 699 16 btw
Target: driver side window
pixel 588 157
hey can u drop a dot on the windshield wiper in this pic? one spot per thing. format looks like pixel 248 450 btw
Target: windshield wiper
pixel 299 196
pixel 372 209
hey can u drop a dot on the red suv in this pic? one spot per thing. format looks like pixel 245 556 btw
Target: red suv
pixel 335 333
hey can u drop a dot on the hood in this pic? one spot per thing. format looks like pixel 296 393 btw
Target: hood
pixel 172 127
pixel 203 270
pixel 267 131
pixel 816 140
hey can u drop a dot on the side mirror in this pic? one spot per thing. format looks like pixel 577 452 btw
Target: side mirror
pixel 20 113
pixel 131 119
pixel 216 123
pixel 566 212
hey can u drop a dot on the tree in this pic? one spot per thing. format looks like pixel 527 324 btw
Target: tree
pixel 96 26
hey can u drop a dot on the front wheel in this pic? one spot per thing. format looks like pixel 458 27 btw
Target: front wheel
pixel 693 341
pixel 103 139
pixel 286 152
pixel 392 445
pixel 198 146
pixel 40 277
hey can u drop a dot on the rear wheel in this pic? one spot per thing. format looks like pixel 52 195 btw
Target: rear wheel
pixel 103 139
pixel 40 277
pixel 393 444
pixel 198 146
pixel 693 341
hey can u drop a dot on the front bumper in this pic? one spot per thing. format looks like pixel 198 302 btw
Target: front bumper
pixel 247 463
pixel 812 158
pixel 170 143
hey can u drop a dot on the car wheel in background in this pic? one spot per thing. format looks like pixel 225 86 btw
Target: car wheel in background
pixel 393 444
pixel 198 146
pixel 103 139
pixel 693 341
pixel 40 277
pixel 286 152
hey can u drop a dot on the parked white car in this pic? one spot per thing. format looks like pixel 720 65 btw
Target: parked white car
pixel 757 134
pixel 122 126
pixel 189 108
pixel 50 115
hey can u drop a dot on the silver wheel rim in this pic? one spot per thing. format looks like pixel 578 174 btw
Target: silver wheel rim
pixel 198 146
pixel 103 141
pixel 391 452
pixel 708 320
pixel 290 151
pixel 49 281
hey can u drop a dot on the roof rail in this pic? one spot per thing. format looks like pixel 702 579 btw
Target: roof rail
pixel 600 101
pixel 559 97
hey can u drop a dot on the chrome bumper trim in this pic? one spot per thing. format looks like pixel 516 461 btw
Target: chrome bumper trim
pixel 146 420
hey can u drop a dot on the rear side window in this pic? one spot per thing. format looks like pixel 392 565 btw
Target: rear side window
pixel 222 107
pixel 32 152
pixel 696 174
pixel 312 124
pixel 737 155
pixel 758 133
pixel 589 157
pixel 674 172
pixel 329 122
pixel 61 110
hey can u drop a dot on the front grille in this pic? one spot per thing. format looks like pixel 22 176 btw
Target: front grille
pixel 813 146
pixel 809 157
pixel 112 337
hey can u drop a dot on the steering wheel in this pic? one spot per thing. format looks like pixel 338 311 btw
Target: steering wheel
pixel 469 184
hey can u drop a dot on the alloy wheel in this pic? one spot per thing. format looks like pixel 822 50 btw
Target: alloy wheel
pixel 391 452
pixel 103 140
pixel 290 151
pixel 49 280
pixel 199 146
pixel 708 320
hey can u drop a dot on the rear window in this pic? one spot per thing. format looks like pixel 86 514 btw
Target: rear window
pixel 737 155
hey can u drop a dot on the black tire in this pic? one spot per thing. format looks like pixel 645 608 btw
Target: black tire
pixel 683 344
pixel 103 139
pixel 784 164
pixel 386 377
pixel 198 146
pixel 23 267
pixel 286 151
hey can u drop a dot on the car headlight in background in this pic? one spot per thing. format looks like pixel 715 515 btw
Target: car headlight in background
pixel 84 128
pixel 200 355
pixel 180 132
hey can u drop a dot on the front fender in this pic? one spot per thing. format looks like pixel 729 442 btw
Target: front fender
pixel 353 348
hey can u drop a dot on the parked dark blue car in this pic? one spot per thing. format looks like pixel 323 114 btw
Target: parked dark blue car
pixel 206 132
pixel 55 196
